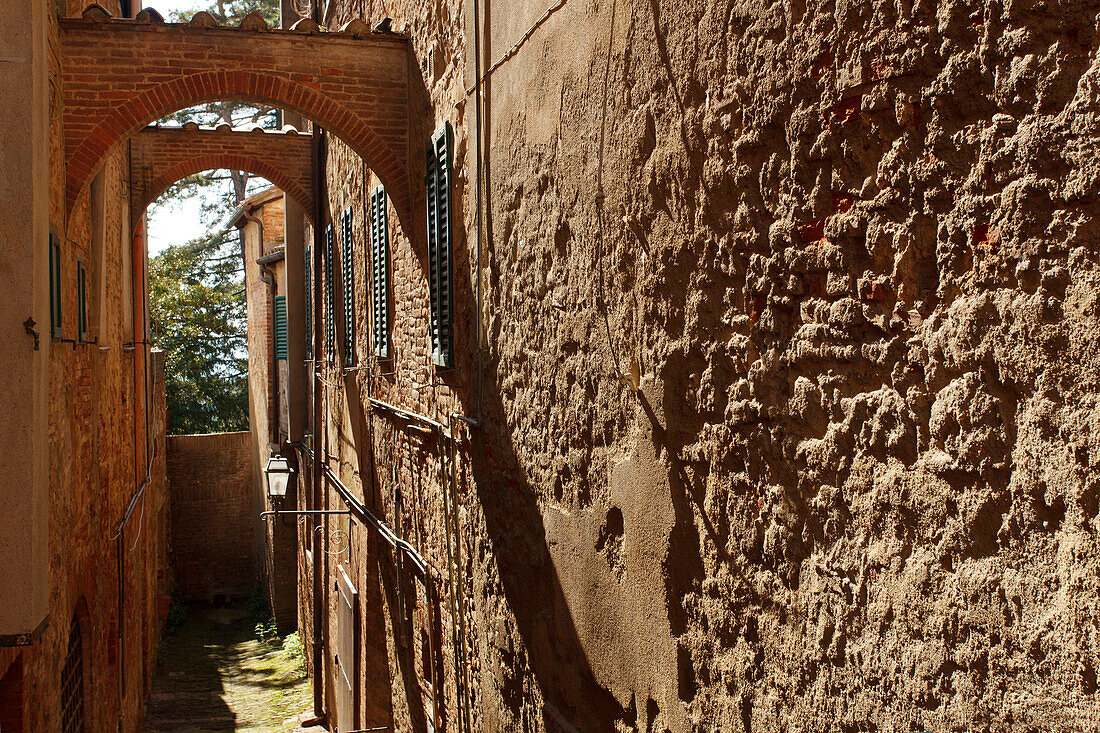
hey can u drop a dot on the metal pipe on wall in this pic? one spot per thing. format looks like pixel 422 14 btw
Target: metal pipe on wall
pixel 318 425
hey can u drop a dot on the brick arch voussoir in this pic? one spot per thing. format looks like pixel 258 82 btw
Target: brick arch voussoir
pixel 249 86
pixel 282 180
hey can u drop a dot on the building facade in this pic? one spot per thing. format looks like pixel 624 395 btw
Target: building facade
pixel 84 571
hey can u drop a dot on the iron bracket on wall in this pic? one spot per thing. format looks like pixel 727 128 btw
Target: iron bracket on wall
pixel 299 512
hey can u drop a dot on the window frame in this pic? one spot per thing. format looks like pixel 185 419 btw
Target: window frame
pixel 308 301
pixel 71 685
pixel 56 312
pixel 81 301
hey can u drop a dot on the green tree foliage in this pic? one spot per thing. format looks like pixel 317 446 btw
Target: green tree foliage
pixel 196 289
pixel 224 111
pixel 198 315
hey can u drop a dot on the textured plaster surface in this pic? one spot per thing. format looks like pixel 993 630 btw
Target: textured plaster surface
pixel 791 383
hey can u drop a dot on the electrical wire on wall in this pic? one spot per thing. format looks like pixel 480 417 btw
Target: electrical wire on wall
pixel 600 196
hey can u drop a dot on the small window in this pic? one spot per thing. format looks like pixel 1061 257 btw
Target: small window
pixel 280 326
pixel 55 286
pixel 72 683
pixel 380 271
pixel 347 283
pixel 309 303
pixel 438 182
pixel 330 322
pixel 81 302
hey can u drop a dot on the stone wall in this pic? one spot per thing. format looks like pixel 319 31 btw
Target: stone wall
pixel 215 515
pixel 790 380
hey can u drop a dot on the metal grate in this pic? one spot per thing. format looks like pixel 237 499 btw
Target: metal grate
pixel 347 283
pixel 72 683
pixel 438 184
pixel 380 271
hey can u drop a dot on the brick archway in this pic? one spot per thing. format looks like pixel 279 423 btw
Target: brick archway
pixel 160 156
pixel 120 75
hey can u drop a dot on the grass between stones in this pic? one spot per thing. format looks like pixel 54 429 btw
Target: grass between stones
pixel 215 672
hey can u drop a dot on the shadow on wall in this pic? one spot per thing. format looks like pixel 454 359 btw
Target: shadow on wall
pixel 517 532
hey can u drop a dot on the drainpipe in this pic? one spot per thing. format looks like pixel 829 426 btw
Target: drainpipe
pixel 319 620
pixel 480 174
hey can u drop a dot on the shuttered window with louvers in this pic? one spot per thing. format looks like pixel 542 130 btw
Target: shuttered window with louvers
pixel 440 276
pixel 347 285
pixel 280 326
pixel 380 272
pixel 330 321
pixel 309 303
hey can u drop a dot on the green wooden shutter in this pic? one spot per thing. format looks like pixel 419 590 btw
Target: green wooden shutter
pixel 280 326
pixel 330 322
pixel 309 303
pixel 440 276
pixel 81 302
pixel 55 285
pixel 380 271
pixel 347 277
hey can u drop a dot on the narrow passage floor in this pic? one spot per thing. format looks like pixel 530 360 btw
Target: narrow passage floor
pixel 215 673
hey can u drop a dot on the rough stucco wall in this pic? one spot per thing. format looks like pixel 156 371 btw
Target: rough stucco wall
pixel 830 461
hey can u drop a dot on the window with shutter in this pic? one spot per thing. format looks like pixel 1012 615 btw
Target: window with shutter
pixel 330 322
pixel 309 303
pixel 347 283
pixel 438 183
pixel 280 326
pixel 380 271
pixel 81 302
pixel 55 285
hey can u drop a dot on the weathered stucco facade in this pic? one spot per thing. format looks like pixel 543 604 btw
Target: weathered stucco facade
pixel 102 561
pixel 789 394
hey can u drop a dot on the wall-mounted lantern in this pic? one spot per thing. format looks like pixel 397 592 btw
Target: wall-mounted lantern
pixel 279 473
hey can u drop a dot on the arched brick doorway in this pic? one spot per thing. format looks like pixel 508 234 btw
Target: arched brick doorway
pixel 115 81
pixel 160 156
pixel 198 164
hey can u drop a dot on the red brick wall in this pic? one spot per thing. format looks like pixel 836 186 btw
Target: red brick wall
pixel 214 515
pixel 160 156
pixel 119 76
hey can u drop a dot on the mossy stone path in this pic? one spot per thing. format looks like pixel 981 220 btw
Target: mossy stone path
pixel 215 674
